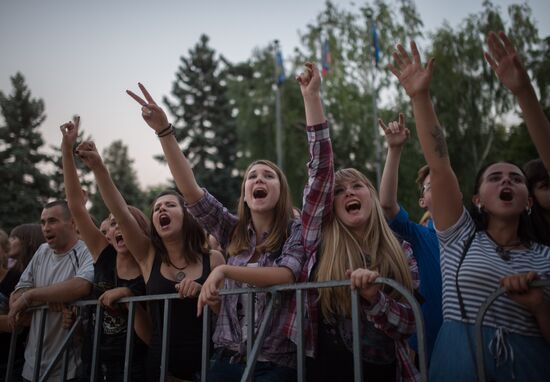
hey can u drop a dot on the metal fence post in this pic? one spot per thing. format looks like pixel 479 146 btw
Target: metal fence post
pixel 253 356
pixel 253 347
pixel 480 357
pixel 356 328
pixel 300 329
pixel 129 342
pixel 251 321
pixel 38 353
pixel 165 340
pixel 11 355
pixel 205 359
pixel 62 351
pixel 98 329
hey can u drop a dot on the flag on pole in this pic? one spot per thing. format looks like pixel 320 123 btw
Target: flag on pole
pixel 326 57
pixel 279 66
pixel 375 44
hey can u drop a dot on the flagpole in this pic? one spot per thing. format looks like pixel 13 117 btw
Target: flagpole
pixel 325 66
pixel 278 120
pixel 376 135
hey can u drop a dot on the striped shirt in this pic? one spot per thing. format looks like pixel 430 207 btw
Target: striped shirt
pixel 394 318
pixel 480 275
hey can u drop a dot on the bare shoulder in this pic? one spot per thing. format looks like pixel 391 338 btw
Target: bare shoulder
pixel 216 258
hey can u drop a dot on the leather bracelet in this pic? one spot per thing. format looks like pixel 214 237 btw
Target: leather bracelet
pixel 168 128
pixel 172 131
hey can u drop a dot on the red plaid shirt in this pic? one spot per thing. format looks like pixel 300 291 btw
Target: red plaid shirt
pixel 394 318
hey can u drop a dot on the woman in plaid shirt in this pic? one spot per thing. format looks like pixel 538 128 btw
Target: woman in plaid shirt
pixel 345 235
pixel 264 248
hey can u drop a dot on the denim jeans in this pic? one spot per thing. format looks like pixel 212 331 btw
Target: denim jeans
pixel 223 371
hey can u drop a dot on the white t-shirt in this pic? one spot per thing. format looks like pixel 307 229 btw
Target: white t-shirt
pixel 480 275
pixel 47 268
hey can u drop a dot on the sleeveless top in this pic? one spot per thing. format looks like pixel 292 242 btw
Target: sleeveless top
pixel 113 338
pixel 185 347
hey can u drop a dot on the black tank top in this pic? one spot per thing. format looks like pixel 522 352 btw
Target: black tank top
pixel 185 328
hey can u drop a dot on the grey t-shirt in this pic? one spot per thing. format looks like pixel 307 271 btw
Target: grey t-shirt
pixel 47 268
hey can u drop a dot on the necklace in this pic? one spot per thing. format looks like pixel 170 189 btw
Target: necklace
pixel 181 274
pixel 503 251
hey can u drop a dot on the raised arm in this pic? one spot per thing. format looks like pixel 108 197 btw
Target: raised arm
pixel 310 86
pixel 318 192
pixel 137 242
pixel 396 136
pixel 504 60
pixel 92 236
pixel 177 162
pixel 415 79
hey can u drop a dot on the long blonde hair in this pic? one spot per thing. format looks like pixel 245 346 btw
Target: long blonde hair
pixel 378 249
pixel 240 239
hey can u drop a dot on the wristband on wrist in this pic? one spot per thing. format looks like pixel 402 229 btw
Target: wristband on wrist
pixel 171 132
pixel 166 131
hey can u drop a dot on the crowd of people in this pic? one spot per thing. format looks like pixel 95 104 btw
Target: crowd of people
pixel 347 229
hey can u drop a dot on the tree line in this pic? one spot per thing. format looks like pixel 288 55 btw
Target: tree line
pixel 224 112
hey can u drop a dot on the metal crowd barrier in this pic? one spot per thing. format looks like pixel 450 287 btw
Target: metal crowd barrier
pixel 480 354
pixel 254 342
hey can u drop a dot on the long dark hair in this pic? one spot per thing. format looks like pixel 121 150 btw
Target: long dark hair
pixel 192 234
pixel 31 237
pixel 481 218
pixel 540 218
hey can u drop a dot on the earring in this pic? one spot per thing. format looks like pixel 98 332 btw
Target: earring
pixel 528 210
pixel 479 207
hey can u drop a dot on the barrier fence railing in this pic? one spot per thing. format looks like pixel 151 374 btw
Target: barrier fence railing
pixel 254 340
pixel 480 354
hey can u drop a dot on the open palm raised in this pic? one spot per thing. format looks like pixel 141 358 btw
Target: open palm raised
pixel 412 75
pixel 504 60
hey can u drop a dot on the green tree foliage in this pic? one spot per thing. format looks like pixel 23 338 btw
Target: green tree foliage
pixel 120 166
pixel 541 72
pixel 252 90
pixel 204 123
pixel 25 188
pixel 225 113
pixel 353 79
pixel 473 107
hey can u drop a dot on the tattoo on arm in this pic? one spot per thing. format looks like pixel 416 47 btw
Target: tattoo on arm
pixel 440 144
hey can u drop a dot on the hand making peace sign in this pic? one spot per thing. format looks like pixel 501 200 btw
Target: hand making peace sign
pixel 150 111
